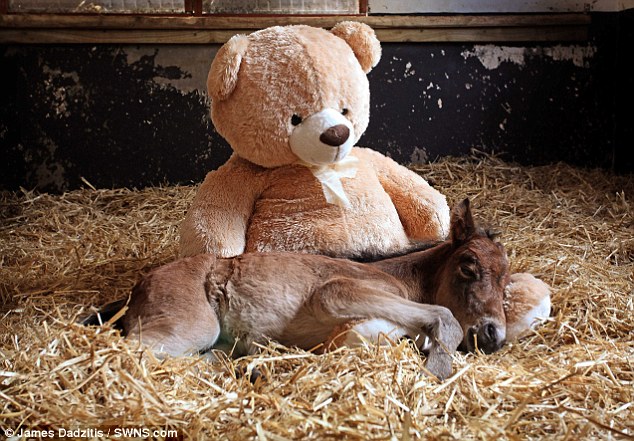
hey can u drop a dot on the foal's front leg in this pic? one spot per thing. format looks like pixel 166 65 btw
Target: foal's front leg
pixel 349 299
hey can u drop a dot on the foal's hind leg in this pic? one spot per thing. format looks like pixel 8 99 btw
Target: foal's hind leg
pixel 177 337
pixel 349 299
pixel 169 310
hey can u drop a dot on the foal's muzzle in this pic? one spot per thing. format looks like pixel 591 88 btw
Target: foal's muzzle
pixel 487 336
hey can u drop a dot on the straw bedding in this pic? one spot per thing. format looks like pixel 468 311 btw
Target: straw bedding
pixel 570 379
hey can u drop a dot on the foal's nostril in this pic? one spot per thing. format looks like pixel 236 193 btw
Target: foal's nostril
pixel 335 135
pixel 485 337
pixel 489 338
pixel 490 332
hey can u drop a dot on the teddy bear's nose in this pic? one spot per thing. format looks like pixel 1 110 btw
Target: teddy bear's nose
pixel 335 135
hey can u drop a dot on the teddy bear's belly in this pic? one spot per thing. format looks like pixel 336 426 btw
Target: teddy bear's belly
pixel 370 227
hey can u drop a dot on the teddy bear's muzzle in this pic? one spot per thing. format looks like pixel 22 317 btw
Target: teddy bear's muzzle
pixel 325 137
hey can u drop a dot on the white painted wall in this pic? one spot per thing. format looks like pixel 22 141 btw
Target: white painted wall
pixel 495 6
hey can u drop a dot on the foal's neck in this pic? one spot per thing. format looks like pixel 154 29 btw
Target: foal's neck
pixel 419 271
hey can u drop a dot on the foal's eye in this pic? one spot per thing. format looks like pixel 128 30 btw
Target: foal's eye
pixel 296 120
pixel 469 270
pixel 344 112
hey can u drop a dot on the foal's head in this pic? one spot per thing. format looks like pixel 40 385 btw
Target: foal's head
pixel 472 282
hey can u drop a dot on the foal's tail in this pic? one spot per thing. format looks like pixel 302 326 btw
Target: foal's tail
pixel 111 312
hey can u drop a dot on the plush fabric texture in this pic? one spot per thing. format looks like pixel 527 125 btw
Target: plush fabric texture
pixel 526 304
pixel 363 43
pixel 223 76
pixel 286 71
pixel 243 207
pixel 266 197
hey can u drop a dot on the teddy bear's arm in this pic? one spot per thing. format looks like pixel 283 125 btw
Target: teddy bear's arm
pixel 422 209
pixel 526 304
pixel 218 218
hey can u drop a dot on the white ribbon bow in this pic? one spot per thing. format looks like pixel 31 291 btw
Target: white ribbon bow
pixel 330 178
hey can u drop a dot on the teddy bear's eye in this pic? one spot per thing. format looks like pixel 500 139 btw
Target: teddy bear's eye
pixel 344 112
pixel 296 120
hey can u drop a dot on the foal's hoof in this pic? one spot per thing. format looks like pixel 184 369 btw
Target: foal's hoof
pixel 439 363
pixel 252 375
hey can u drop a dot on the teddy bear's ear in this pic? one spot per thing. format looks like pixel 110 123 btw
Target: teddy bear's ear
pixel 223 74
pixel 362 39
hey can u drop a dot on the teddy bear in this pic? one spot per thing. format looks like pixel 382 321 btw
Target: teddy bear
pixel 292 102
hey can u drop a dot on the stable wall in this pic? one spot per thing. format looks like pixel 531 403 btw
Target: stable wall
pixel 137 115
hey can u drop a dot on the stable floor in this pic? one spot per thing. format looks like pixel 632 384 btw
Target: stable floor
pixel 573 377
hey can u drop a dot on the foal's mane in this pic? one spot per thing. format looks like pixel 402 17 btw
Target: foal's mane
pixel 369 257
pixel 415 246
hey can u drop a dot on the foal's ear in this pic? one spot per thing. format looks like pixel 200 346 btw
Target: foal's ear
pixel 462 225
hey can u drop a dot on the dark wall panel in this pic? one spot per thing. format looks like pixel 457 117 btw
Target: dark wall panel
pixel 112 115
pixel 536 103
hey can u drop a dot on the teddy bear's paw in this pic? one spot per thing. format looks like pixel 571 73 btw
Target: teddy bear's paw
pixel 526 304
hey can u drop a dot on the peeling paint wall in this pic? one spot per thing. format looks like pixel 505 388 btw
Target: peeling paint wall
pixel 138 115
pixel 534 103
pixel 181 67
pixel 491 56
pixel 114 116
